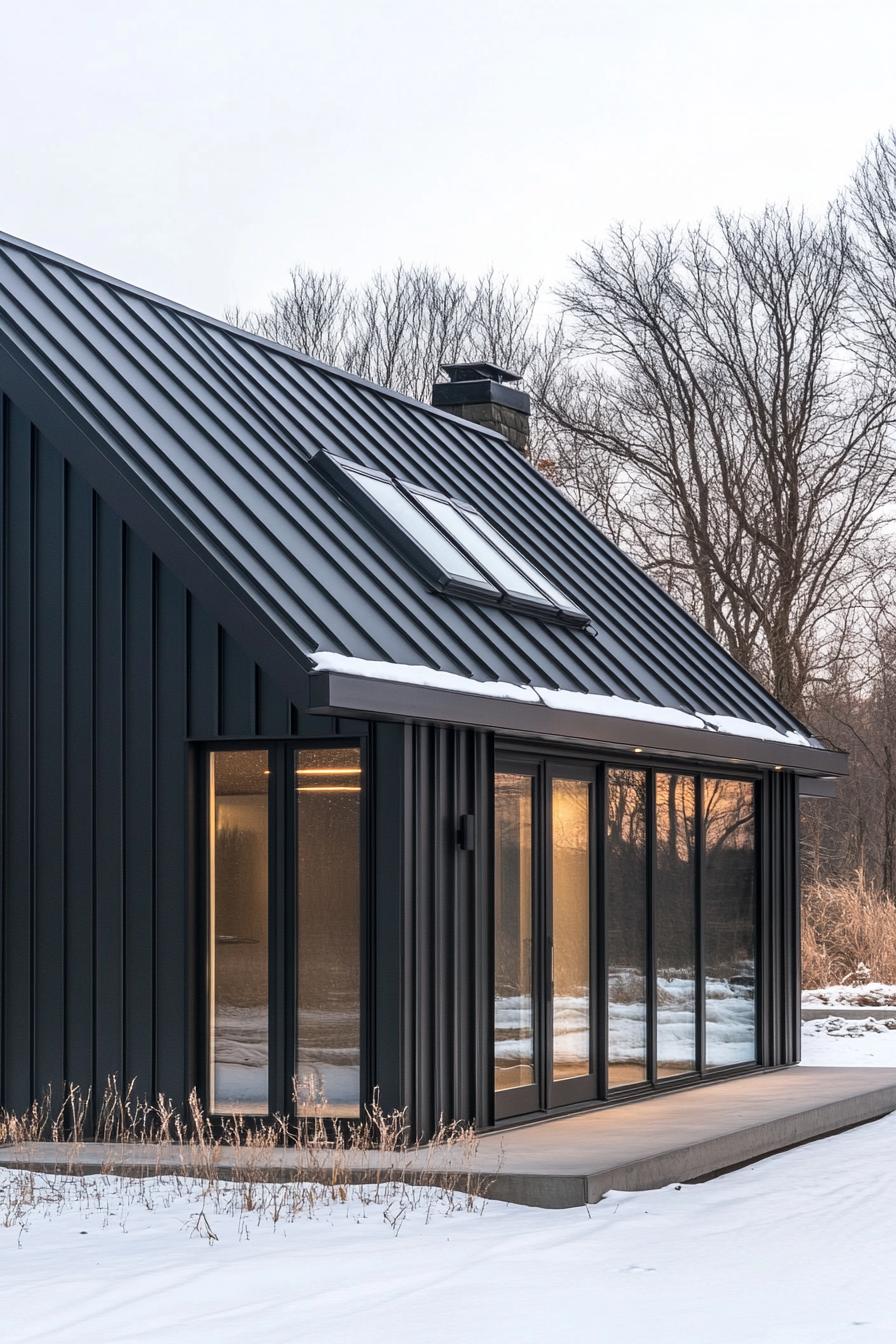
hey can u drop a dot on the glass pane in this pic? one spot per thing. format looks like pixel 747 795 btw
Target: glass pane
pixel 514 1041
pixel 328 1029
pixel 626 905
pixel 456 522
pixel 238 863
pixel 401 510
pixel 571 926
pixel 675 922
pixel 520 562
pixel 729 921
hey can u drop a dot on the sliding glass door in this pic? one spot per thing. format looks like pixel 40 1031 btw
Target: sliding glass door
pixel 516 1032
pixel 284 854
pixel 680 905
pixel 570 934
pixel 544 949
pixel 625 929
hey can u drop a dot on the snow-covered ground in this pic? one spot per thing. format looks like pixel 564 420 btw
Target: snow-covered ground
pixel 870 995
pixel 833 1040
pixel 797 1248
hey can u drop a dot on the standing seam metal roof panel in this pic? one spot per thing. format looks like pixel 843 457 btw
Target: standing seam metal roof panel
pixel 220 426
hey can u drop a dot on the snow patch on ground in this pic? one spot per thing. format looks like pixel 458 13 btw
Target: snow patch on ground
pixel 850 1043
pixel 871 995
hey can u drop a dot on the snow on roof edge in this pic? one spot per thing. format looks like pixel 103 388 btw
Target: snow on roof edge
pixel 582 702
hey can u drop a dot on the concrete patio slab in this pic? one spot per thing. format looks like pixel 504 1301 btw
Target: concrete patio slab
pixel 560 1163
pixel 683 1136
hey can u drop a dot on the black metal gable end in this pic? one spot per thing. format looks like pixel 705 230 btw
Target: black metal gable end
pixel 201 435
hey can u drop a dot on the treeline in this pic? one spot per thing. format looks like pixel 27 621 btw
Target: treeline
pixel 720 399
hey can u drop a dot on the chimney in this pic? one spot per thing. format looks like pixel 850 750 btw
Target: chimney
pixel 482 393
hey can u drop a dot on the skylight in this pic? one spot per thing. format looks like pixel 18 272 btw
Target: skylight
pixel 511 570
pixel 451 542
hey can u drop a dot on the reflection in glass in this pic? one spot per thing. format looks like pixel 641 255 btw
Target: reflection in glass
pixel 328 1028
pixel 238 872
pixel 514 1043
pixel 571 931
pixel 626 907
pixel 675 926
pixel 729 921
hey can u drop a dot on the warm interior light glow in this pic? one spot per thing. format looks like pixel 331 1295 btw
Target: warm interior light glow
pixel 328 788
pixel 330 770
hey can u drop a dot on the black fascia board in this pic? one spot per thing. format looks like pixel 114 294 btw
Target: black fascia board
pixel 343 694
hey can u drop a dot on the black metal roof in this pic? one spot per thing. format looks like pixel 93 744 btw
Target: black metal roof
pixel 202 435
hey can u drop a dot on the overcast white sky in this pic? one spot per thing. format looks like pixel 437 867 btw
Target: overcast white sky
pixel 202 147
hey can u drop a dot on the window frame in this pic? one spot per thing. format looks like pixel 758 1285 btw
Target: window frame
pixel 282 922
pixel 547 763
pixel 489 591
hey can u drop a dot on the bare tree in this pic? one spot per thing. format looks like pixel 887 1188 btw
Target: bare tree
pixel 858 833
pixel 399 327
pixel 871 202
pixel 715 402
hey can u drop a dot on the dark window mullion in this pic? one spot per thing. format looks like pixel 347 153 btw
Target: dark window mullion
pixel 367 969
pixel 650 829
pixel 287 900
pixel 759 922
pixel 277 1003
pixel 600 1014
pixel 543 933
pixel 700 969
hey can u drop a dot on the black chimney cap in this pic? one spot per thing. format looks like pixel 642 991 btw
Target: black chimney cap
pixel 468 373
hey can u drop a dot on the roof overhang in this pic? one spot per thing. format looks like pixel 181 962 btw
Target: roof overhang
pixel 352 696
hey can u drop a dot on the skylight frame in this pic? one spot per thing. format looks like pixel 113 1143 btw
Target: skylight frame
pixel 539 594
pixel 349 476
pixel 523 587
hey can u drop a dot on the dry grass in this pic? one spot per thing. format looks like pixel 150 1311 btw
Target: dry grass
pixel 848 935
pixel 276 1171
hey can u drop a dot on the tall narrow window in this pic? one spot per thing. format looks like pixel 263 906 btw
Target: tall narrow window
pixel 238 862
pixel 514 1026
pixel 729 921
pixel 675 926
pixel 626 913
pixel 328 858
pixel 571 927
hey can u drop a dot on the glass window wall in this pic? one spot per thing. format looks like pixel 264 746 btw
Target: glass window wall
pixel 571 927
pixel 675 925
pixel 626 922
pixel 238 928
pixel 729 921
pixel 328 855
pixel 514 988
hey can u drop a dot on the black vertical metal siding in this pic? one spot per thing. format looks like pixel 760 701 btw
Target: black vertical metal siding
pixel 780 933
pixel 447 776
pixel 107 668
